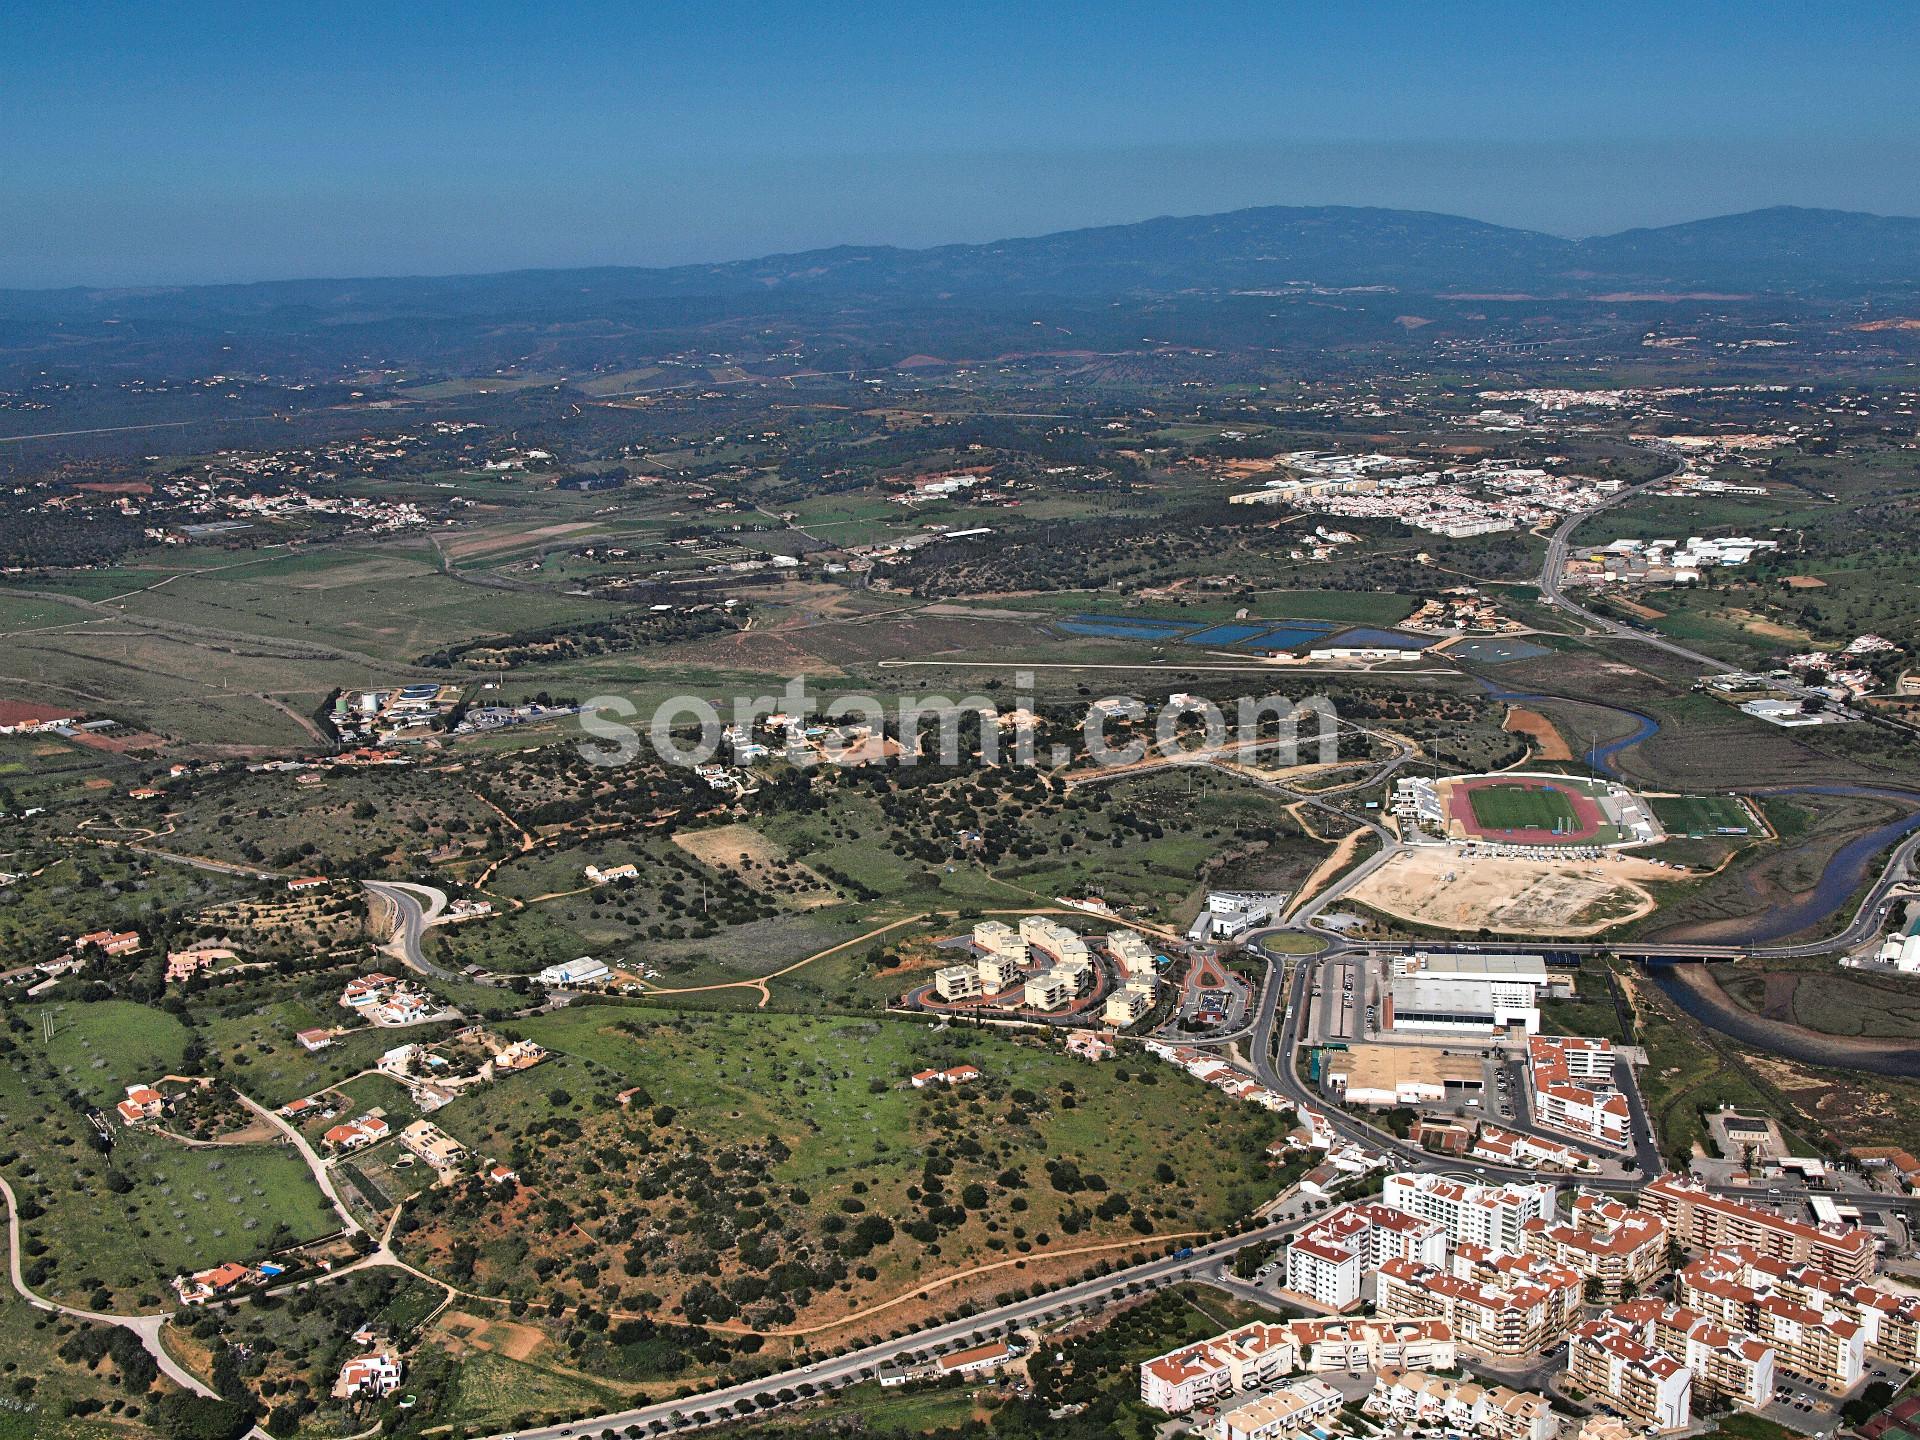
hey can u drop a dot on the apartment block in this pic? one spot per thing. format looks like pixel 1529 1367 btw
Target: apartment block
pixel 1527 1152
pixel 1410 1397
pixel 1573 1091
pixel 1618 1250
pixel 1327 1262
pixel 1648 1386
pixel 1057 940
pixel 1288 1411
pixel 1049 990
pixel 1491 1216
pixel 999 972
pixel 1701 1220
pixel 993 938
pixel 1821 1346
pixel 1256 1354
pixel 1889 1322
pixel 1725 1362
pixel 1126 1005
pixel 957 982
pixel 1504 1306
pixel 1131 952
pixel 1355 1346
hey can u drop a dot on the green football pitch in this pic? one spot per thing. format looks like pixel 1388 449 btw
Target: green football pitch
pixel 1522 807
pixel 1702 815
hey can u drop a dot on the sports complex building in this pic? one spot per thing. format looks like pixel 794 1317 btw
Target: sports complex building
pixel 1517 808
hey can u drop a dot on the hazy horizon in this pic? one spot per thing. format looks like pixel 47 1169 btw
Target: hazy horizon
pixel 216 143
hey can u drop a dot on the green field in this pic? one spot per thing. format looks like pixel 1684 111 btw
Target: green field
pixel 816 1118
pixel 101 1048
pixel 1523 807
pixel 493 1391
pixel 116 1228
pixel 1703 815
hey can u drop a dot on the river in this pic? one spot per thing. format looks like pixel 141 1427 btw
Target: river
pixel 1845 873
pixel 1695 991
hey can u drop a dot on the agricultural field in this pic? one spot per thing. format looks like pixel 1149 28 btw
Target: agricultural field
pixel 387 602
pixel 1267 608
pixel 871 1186
pixel 98 1049
pixel 116 1228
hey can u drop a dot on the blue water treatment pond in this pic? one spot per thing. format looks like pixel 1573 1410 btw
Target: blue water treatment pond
pixel 1287 637
pixel 1226 634
pixel 1383 640
pixel 1123 629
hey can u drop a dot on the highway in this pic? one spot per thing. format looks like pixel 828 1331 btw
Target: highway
pixel 1552 591
pixel 717 1405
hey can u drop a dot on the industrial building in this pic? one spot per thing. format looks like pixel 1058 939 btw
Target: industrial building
pixel 1471 994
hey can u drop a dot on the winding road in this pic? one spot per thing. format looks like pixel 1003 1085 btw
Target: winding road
pixel 146 1327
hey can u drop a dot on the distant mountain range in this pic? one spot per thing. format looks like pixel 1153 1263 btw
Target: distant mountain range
pixel 1781 250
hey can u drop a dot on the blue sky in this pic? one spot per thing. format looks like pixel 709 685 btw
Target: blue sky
pixel 149 144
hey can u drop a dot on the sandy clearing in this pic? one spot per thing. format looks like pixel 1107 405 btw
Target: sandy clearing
pixel 751 857
pixel 1768 629
pixel 501 1337
pixel 1540 732
pixel 1331 866
pixel 1634 607
pixel 1435 885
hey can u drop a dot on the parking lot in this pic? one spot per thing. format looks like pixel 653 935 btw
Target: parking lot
pixel 1802 1407
pixel 1343 1007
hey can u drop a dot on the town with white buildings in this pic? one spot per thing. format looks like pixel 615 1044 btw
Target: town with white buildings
pixel 1487 497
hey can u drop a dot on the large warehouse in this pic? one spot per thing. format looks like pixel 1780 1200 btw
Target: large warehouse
pixel 1468 994
pixel 1380 1076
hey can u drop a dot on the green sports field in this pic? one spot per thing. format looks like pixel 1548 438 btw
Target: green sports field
pixel 1703 815
pixel 1522 807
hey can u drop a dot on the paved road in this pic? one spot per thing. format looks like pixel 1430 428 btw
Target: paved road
pixel 147 1327
pixel 1552 575
pixel 859 1364
pixel 321 1175
pixel 411 920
